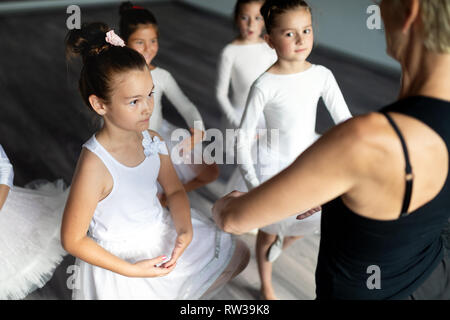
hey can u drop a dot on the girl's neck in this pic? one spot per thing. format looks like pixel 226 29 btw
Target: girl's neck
pixel 114 136
pixel 151 67
pixel 289 67
pixel 425 73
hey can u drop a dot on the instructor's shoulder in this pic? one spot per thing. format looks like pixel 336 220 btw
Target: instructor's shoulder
pixel 362 136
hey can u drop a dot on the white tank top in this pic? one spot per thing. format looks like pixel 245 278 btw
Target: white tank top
pixel 132 204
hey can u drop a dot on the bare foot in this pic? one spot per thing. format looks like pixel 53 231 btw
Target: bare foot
pixel 268 294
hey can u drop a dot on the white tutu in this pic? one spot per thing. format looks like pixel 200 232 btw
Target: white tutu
pixel 30 247
pixel 201 264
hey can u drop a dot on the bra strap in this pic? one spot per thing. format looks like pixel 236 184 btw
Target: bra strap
pixel 408 169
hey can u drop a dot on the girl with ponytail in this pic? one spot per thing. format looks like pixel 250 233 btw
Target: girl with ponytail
pixel 126 245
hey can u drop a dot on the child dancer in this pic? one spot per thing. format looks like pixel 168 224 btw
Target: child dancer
pixel 139 29
pixel 241 63
pixel 30 220
pixel 127 246
pixel 287 95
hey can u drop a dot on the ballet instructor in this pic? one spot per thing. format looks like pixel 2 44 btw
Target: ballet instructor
pixel 381 178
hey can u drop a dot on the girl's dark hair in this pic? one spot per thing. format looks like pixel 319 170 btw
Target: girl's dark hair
pixel 237 7
pixel 273 8
pixel 101 60
pixel 131 17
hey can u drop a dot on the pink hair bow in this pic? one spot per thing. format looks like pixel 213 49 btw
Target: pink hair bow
pixel 114 39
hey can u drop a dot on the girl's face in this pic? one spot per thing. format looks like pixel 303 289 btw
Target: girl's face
pixel 293 36
pixel 131 101
pixel 145 41
pixel 250 21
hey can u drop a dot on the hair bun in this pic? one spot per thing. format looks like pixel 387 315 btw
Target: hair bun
pixel 87 41
pixel 125 6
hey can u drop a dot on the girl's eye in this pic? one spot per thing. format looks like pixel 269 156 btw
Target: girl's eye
pixel 259 18
pixel 134 102
pixel 290 34
pixel 151 94
pixel 244 18
pixel 307 31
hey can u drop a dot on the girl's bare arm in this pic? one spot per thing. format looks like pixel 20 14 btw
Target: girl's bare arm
pixel 179 207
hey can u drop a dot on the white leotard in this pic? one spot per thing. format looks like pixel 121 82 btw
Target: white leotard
pixel 289 104
pixel 240 66
pixel 165 84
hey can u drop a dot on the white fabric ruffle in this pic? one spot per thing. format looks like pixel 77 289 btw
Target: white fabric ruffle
pixel 30 246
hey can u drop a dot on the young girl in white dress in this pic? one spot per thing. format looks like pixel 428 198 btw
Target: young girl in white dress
pixel 127 246
pixel 30 221
pixel 287 94
pixel 140 31
pixel 241 62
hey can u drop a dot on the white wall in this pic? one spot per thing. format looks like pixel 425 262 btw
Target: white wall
pixel 340 24
pixel 18 6
pixel 224 7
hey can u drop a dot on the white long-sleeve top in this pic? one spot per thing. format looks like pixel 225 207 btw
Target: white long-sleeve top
pixel 289 103
pixel 240 66
pixel 166 84
pixel 6 169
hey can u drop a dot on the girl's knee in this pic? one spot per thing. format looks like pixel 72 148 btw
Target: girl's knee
pixel 265 238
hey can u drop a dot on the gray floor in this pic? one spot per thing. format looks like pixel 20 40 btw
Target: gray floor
pixel 44 122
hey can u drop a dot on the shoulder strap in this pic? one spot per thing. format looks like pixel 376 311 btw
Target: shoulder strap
pixel 147 135
pixel 95 147
pixel 408 169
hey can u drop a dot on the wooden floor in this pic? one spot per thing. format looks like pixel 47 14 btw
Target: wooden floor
pixel 43 121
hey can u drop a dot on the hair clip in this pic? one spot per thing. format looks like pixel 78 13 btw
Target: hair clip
pixel 113 39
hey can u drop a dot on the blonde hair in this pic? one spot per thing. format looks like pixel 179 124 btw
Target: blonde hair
pixel 435 16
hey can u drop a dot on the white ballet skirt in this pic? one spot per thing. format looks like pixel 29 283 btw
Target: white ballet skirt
pixel 30 246
pixel 131 224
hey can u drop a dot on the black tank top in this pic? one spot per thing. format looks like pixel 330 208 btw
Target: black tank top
pixel 355 250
